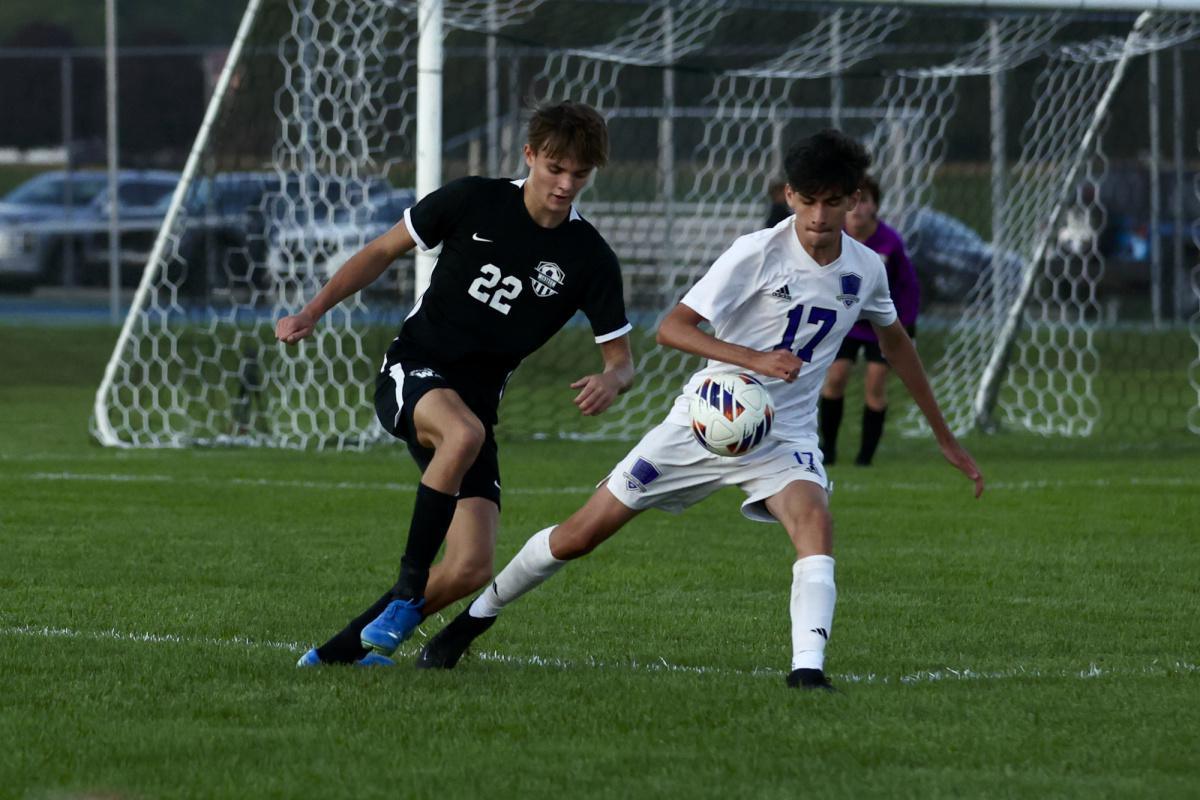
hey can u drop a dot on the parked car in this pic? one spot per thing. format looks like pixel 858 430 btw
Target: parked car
pixel 236 221
pixel 50 196
pixel 49 225
pixel 949 256
pixel 143 204
pixel 219 230
pixel 224 232
pixel 299 250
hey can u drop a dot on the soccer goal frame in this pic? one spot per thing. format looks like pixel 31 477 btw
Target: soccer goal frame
pixel 144 344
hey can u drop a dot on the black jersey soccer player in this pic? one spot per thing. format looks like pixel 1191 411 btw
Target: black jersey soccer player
pixel 517 262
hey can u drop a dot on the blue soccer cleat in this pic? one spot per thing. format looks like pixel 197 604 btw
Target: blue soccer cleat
pixel 397 622
pixel 309 659
pixel 374 659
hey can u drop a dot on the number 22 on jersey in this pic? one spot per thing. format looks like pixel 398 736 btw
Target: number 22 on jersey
pixel 481 288
pixel 824 318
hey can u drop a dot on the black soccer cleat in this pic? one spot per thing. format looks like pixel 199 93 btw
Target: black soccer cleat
pixel 809 679
pixel 447 647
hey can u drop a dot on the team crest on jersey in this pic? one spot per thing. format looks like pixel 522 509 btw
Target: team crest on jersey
pixel 640 475
pixel 851 283
pixel 423 372
pixel 547 279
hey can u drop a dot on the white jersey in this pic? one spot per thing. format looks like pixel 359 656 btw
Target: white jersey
pixel 766 292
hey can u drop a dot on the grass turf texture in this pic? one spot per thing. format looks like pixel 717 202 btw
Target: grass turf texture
pixel 184 578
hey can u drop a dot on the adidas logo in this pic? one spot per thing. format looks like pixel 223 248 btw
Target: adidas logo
pixel 782 293
pixel 824 634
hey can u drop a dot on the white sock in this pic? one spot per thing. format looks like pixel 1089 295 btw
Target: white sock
pixel 529 568
pixel 813 598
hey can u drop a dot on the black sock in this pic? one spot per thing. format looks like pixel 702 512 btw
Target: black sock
pixel 431 518
pixel 345 647
pixel 872 431
pixel 831 420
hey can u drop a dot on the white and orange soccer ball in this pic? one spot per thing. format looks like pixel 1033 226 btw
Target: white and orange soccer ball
pixel 731 413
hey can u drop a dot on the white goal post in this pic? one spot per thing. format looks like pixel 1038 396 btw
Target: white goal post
pixel 991 124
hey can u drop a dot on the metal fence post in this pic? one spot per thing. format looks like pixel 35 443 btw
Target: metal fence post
pixel 1156 271
pixel 69 277
pixel 1180 282
pixel 114 265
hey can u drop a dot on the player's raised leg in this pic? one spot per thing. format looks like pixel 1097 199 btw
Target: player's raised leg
pixel 802 507
pixel 443 423
pixel 542 556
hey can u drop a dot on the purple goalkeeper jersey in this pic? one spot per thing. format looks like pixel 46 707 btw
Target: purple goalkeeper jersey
pixel 902 281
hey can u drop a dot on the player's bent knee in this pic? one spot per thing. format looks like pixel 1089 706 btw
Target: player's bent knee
pixel 465 438
pixel 810 519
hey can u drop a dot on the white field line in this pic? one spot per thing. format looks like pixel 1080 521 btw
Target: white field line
pixel 1092 670
pixel 371 486
pixel 364 486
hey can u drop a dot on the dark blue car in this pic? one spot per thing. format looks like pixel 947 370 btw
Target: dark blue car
pixel 49 225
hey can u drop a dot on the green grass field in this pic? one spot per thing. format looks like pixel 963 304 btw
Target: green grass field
pixel 1041 642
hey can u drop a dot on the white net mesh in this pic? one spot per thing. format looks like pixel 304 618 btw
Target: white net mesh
pixel 318 108
pixel 311 155
pixel 1048 264
pixel 739 152
pixel 909 142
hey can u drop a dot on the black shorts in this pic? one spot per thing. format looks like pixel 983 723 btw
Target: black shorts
pixel 871 351
pixel 398 387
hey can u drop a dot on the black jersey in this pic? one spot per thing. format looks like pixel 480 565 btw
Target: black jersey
pixel 503 285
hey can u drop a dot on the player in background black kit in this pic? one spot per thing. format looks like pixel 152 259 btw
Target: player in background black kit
pixel 517 262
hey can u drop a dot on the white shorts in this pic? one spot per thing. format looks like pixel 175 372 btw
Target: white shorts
pixel 669 470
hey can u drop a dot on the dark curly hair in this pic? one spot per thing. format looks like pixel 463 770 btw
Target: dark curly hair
pixel 828 161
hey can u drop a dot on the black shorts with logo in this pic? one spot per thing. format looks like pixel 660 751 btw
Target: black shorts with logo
pixel 403 381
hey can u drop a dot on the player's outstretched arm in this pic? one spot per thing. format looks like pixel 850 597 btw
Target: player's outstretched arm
pixel 680 329
pixel 902 356
pixel 597 392
pixel 359 271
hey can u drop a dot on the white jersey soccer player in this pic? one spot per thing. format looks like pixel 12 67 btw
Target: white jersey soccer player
pixel 764 293
pixel 780 301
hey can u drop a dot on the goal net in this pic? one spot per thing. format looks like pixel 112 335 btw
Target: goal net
pixel 1023 155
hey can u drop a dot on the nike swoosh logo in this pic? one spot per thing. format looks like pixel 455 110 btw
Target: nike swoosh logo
pixel 479 238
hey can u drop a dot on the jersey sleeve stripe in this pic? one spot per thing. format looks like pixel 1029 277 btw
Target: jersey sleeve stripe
pixel 608 337
pixel 412 231
pixel 892 317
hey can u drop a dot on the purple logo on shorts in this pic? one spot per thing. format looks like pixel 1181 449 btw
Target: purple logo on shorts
pixel 641 475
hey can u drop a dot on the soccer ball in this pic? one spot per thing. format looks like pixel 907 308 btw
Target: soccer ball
pixel 731 413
